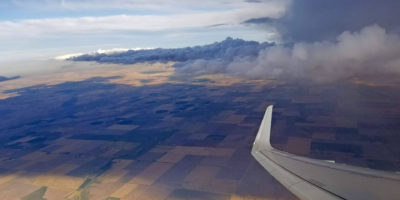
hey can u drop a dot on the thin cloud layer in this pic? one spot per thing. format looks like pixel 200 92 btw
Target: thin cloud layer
pixel 234 14
pixel 156 5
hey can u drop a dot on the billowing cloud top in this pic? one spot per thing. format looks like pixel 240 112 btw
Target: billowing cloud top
pixel 313 20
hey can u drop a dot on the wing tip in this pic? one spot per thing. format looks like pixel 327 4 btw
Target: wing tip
pixel 262 140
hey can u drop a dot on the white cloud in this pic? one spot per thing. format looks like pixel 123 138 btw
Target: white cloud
pixel 99 51
pixel 67 56
pixel 106 24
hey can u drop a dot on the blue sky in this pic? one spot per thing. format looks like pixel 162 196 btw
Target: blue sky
pixel 43 29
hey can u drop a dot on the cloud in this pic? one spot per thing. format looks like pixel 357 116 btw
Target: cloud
pixel 99 51
pixel 370 51
pixel 3 78
pixel 156 5
pixel 311 20
pixel 32 29
pixel 320 41
pixel 263 20
pixel 227 50
pixel 196 17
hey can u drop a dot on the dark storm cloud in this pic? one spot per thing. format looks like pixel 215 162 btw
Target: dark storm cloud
pixel 3 78
pixel 263 20
pixel 226 50
pixel 315 20
pixel 253 1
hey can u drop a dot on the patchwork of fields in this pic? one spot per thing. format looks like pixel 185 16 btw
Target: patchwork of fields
pixel 95 139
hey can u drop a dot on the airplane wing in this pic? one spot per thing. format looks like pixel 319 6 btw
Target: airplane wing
pixel 311 179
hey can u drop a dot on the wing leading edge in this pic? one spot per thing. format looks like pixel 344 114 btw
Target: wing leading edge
pixel 316 179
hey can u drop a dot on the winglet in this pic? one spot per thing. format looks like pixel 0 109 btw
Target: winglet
pixel 262 140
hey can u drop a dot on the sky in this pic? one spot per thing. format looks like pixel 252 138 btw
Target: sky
pixel 312 39
pixel 40 29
